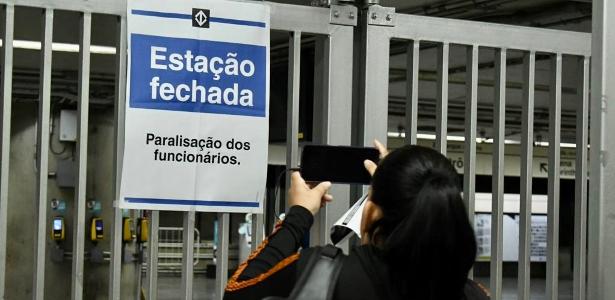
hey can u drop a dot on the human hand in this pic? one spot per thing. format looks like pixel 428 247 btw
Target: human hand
pixel 371 166
pixel 300 193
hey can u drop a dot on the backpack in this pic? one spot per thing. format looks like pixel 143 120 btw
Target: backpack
pixel 317 282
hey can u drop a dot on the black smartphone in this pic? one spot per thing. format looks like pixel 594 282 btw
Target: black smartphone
pixel 338 164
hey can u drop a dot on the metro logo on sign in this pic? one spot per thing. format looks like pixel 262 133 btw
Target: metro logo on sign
pixel 200 17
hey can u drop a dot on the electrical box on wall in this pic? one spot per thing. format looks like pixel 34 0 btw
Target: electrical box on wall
pixel 68 125
pixel 65 173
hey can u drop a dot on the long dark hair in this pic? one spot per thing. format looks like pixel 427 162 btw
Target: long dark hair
pixel 424 233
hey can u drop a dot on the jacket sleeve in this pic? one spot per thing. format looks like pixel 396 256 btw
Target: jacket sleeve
pixel 476 291
pixel 271 269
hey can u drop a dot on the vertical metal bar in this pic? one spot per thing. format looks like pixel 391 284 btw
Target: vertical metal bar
pixel 373 78
pixel 527 153
pixel 333 123
pixel 338 123
pixel 555 107
pixel 6 85
pixel 222 255
pixel 43 155
pixel 292 113
pixel 601 207
pixel 412 91
pixel 292 110
pixel 258 225
pixel 497 230
pixel 469 173
pixel 580 208
pixel 115 269
pixel 152 256
pixel 442 97
pixel 188 255
pixel 138 266
pixel 321 64
pixel 82 152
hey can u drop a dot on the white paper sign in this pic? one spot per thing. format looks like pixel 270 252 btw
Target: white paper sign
pixel 196 106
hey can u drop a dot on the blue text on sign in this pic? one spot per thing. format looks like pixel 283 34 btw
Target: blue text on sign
pixel 197 76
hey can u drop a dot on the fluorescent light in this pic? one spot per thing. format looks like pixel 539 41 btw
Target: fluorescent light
pixel 102 49
pixel 424 136
pixel 456 138
pixel 61 47
pixel 563 145
pixel 30 45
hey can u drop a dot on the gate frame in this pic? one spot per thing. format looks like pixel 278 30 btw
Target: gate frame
pixel 601 217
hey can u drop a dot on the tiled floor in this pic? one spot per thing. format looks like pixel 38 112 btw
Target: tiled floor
pixel 169 288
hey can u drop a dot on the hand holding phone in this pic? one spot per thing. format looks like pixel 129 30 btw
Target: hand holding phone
pixel 301 194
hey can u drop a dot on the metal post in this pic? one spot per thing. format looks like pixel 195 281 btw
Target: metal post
pixel 580 208
pixel 373 72
pixel 138 261
pixel 527 152
pixel 6 85
pixel 152 256
pixel 336 119
pixel 292 110
pixel 442 97
pixel 320 88
pixel 497 190
pixel 82 152
pixel 292 115
pixel 222 254
pixel 115 269
pixel 555 107
pixel 469 173
pixel 258 225
pixel 412 91
pixel 188 255
pixel 43 156
pixel 601 226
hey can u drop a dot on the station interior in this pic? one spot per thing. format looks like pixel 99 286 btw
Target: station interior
pixel 569 15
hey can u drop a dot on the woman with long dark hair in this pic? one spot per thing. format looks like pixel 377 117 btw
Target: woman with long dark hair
pixel 417 241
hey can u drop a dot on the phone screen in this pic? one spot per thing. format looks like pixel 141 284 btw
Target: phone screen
pixel 99 225
pixel 336 163
pixel 57 224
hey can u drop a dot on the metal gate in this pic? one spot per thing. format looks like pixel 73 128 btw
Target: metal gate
pixel 333 28
pixel 340 46
pixel 382 24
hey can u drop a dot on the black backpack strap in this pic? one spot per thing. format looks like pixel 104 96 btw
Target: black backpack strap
pixel 320 275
